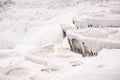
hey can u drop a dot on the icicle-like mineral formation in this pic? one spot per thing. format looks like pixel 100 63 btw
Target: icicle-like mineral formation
pixel 91 41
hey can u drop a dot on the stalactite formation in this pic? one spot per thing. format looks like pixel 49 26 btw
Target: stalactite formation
pixel 90 42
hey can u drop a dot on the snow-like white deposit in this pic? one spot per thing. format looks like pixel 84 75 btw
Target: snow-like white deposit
pixel 90 42
pixel 33 47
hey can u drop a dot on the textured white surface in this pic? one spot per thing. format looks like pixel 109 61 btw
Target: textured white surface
pixel 94 39
pixel 26 25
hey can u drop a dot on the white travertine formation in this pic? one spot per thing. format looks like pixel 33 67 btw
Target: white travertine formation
pixel 98 20
pixel 91 41
pixel 103 18
pixel 66 27
pixel 114 6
